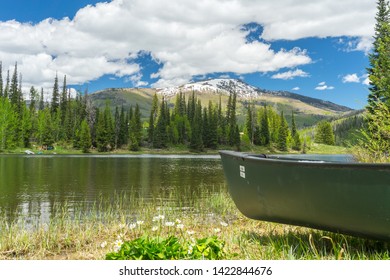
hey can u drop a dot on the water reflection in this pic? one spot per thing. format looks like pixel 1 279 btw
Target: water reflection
pixel 33 186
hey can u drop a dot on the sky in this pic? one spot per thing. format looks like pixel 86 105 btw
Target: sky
pixel 314 48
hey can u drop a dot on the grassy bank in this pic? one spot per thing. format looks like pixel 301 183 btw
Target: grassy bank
pixel 92 233
pixel 314 148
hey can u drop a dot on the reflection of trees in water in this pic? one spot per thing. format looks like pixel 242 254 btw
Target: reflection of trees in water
pixel 38 186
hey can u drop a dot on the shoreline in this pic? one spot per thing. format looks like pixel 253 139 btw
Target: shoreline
pixel 91 238
pixel 315 149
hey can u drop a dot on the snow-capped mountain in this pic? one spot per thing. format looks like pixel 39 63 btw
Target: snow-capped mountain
pixel 224 86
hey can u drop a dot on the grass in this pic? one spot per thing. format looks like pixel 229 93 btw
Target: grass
pixel 316 148
pixel 91 233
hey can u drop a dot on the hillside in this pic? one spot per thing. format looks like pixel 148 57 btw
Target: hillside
pixel 346 128
pixel 308 111
pixel 126 97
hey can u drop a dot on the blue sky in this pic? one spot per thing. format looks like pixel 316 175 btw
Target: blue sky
pixel 314 49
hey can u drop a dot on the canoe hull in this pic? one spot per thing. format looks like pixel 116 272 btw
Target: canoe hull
pixel 339 197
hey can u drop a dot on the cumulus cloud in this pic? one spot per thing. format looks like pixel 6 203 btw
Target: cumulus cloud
pixel 187 37
pixel 323 86
pixel 366 80
pixel 136 80
pixel 296 88
pixel 354 78
pixel 351 78
pixel 289 75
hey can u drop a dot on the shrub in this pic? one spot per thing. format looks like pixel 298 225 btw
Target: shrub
pixel 148 248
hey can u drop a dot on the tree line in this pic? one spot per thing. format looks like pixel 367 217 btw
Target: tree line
pixel 75 121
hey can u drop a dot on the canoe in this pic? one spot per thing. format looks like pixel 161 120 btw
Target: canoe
pixel 343 197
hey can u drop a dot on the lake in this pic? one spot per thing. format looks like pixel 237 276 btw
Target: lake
pixel 32 186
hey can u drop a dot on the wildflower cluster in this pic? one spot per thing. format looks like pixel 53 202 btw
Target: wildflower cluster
pixel 179 243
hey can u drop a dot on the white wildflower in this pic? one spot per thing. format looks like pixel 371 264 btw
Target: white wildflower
pixel 122 226
pixel 169 224
pixel 180 226
pixel 178 221
pixel 117 245
pixel 158 218
pixel 190 232
pixel 140 223
pixel 132 226
pixel 154 228
pixel 224 224
pixel 104 244
pixel 217 230
pixel 190 248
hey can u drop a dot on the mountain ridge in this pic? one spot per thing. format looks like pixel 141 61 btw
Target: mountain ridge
pixel 307 110
pixel 246 91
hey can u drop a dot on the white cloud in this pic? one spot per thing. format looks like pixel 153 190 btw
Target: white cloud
pixel 296 88
pixel 289 75
pixel 188 37
pixel 363 44
pixel 351 78
pixel 366 80
pixel 323 86
pixel 354 78
pixel 136 80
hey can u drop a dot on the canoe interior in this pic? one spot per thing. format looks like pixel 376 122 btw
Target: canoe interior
pixel 342 197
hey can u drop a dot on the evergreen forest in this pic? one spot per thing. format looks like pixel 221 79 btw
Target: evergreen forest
pixel 75 121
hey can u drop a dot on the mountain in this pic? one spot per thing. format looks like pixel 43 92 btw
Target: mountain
pixel 216 86
pixel 307 110
pixel 245 91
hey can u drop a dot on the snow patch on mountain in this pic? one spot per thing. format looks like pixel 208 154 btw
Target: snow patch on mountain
pixel 216 86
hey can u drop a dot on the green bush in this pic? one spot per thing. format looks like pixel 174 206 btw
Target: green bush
pixel 148 248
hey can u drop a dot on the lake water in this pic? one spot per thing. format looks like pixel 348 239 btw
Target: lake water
pixel 30 186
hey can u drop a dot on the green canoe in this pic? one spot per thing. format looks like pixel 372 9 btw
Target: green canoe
pixel 344 197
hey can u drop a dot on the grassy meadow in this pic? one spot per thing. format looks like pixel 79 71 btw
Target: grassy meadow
pixel 93 233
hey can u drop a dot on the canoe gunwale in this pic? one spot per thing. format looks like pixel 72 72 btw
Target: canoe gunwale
pixel 279 159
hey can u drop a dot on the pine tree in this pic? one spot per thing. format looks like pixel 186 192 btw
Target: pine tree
pixel 160 136
pixel 8 121
pixel 379 58
pixel 41 105
pixel 152 118
pixel 265 137
pixel 105 130
pixel 25 127
pixel 213 126
pixel 14 90
pixel 283 134
pixel 20 95
pixel 63 100
pixel 85 137
pixel 250 124
pixel 6 88
pixel 55 96
pixel 205 128
pixel 296 140
pixel 44 128
pixel 324 133
pixel 123 130
pixel 117 128
pixel 135 131
pixel 33 99
pixel 237 138
pixel 138 124
pixel 196 143
pixel 231 118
